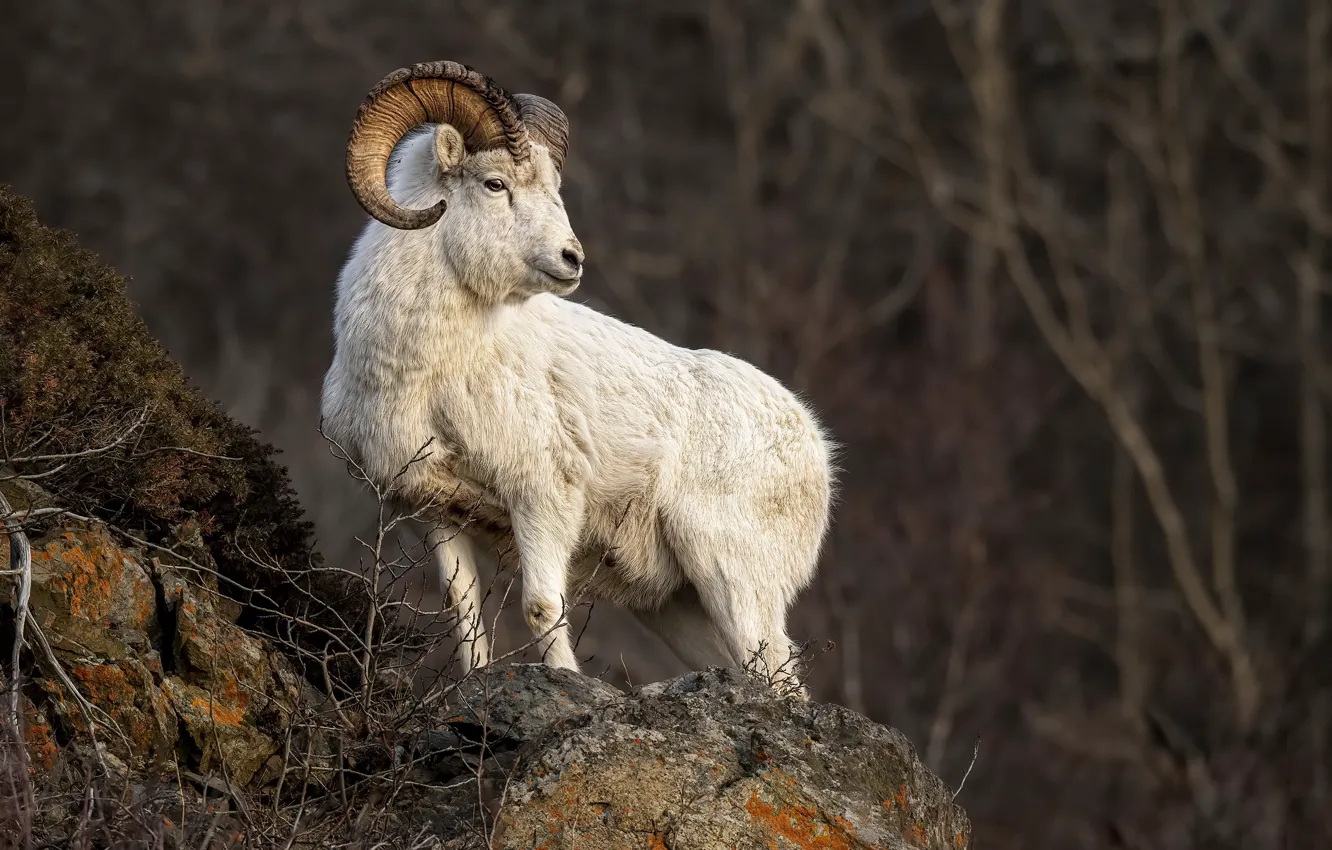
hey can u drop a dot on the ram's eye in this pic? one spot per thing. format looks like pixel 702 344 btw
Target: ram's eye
pixel 495 184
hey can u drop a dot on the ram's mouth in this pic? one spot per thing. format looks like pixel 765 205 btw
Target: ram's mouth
pixel 560 285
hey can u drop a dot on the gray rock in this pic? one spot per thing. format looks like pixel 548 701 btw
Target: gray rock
pixel 519 702
pixel 710 759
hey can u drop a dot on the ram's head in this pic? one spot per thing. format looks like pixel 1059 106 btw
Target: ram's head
pixel 494 167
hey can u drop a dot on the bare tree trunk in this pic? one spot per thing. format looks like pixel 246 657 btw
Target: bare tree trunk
pixel 1313 428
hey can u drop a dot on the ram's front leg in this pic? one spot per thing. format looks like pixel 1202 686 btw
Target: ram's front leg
pixel 547 535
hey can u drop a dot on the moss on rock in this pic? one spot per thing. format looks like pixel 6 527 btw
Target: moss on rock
pixel 78 368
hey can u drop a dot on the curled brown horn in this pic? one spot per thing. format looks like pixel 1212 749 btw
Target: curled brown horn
pixel 429 92
pixel 547 123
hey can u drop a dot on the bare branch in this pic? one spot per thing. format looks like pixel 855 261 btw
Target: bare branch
pixel 20 566
pixel 975 752
pixel 1309 266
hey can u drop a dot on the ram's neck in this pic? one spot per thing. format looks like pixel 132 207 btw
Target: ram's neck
pixel 403 313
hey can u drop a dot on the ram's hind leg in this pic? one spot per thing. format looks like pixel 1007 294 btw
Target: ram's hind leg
pixel 454 555
pixel 683 624
pixel 754 628
pixel 746 596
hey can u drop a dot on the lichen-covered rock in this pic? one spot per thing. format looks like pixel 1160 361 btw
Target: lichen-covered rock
pixel 155 651
pixel 92 578
pixel 221 740
pixel 92 595
pixel 38 737
pixel 207 647
pixel 711 759
pixel 141 731
pixel 96 606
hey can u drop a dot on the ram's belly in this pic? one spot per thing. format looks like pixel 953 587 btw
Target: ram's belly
pixel 478 516
pixel 625 558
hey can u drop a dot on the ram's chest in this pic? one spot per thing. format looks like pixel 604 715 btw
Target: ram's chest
pixel 420 466
pixel 444 494
pixel 431 473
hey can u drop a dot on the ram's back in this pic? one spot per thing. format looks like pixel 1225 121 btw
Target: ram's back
pixel 712 422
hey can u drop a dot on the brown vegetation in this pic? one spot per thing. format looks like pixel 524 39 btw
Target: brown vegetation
pixel 82 381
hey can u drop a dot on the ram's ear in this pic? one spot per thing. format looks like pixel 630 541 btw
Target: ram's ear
pixel 449 149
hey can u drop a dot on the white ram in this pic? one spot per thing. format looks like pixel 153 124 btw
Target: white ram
pixel 552 426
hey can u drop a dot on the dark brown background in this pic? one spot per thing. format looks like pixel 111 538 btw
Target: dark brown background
pixel 1053 273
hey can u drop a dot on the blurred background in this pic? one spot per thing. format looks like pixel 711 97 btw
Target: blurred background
pixel 1053 272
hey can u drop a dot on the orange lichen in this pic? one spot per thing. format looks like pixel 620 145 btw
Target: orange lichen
pixel 919 834
pixel 564 807
pixel 123 690
pixel 218 712
pixel 229 690
pixel 656 842
pixel 146 609
pixel 803 826
pixel 40 740
pixel 87 588
pixel 105 683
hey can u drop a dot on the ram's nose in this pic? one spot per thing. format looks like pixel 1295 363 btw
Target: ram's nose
pixel 573 257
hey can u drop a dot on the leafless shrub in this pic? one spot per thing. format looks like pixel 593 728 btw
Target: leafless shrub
pixel 351 748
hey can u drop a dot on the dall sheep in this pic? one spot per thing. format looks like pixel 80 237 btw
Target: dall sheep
pixel 551 426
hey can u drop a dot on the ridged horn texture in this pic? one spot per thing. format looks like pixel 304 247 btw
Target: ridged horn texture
pixel 547 123
pixel 434 93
